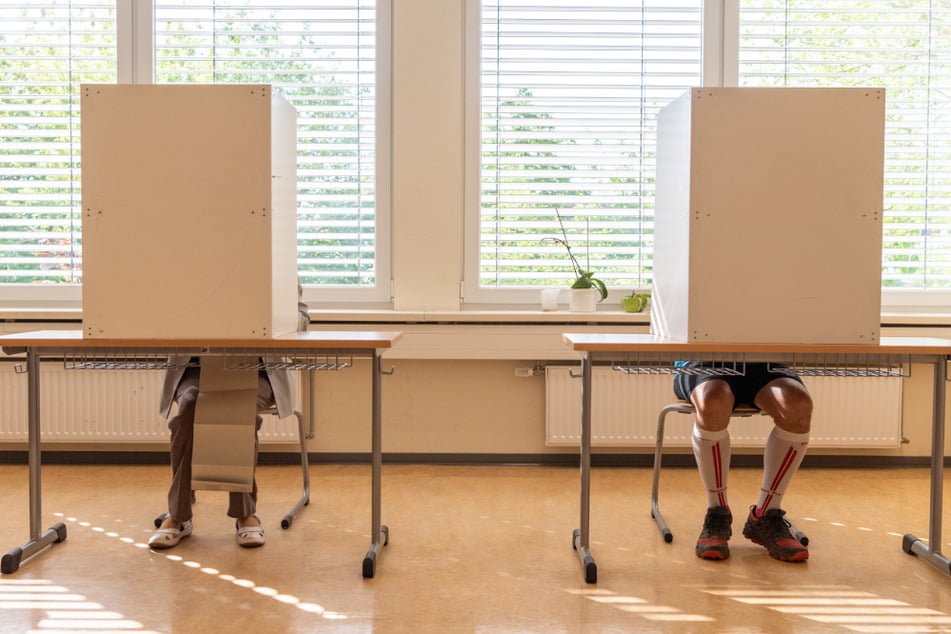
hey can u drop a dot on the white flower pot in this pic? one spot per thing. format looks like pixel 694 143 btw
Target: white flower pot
pixel 583 300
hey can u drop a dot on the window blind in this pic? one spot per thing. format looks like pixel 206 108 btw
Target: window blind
pixel 321 56
pixel 569 95
pixel 47 49
pixel 904 47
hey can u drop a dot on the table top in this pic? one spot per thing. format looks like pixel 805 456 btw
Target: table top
pixel 310 340
pixel 594 342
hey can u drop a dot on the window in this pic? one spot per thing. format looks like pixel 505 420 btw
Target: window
pixel 906 48
pixel 569 93
pixel 321 54
pixel 322 57
pixel 46 50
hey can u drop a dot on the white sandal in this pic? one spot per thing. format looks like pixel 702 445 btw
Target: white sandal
pixel 249 536
pixel 168 537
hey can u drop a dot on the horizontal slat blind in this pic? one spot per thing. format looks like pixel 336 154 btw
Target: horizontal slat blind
pixel 321 56
pixel 904 47
pixel 570 91
pixel 46 50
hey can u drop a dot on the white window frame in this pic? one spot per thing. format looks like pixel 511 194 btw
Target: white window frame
pixel 721 28
pixel 473 294
pixel 379 295
pixel 135 64
pixel 894 301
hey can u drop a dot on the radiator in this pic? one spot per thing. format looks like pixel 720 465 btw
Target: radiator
pixel 100 406
pixel 853 412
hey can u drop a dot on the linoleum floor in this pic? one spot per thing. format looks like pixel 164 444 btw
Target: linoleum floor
pixel 472 549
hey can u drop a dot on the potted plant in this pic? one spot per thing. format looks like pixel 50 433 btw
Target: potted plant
pixel 635 302
pixel 583 289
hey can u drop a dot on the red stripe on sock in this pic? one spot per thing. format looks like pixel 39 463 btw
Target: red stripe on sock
pixel 788 459
pixel 784 468
pixel 718 472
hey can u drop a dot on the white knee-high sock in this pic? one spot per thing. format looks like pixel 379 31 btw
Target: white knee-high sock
pixel 712 451
pixel 781 459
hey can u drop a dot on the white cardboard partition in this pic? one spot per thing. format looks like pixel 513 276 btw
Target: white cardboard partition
pixel 768 220
pixel 189 211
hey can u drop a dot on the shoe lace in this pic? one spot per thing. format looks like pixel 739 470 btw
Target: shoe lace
pixel 717 523
pixel 775 525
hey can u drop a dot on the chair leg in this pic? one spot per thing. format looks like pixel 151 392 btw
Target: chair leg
pixel 305 466
pixel 655 486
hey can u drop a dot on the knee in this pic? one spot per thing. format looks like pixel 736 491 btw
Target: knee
pixel 186 401
pixel 714 405
pixel 187 398
pixel 796 413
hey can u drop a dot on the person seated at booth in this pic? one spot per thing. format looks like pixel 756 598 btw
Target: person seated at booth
pixel 784 397
pixel 181 386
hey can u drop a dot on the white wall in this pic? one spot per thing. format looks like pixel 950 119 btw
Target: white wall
pixel 445 405
pixel 480 406
pixel 427 153
pixel 462 406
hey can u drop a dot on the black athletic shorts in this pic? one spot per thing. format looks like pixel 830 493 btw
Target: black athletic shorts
pixel 745 387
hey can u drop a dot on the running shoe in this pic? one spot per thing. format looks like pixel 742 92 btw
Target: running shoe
pixel 717 528
pixel 772 531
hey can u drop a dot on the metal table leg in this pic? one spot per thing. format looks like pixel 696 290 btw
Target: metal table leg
pixel 379 533
pixel 580 537
pixel 931 552
pixel 57 533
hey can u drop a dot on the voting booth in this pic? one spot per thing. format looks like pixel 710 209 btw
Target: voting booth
pixel 189 199
pixel 189 221
pixel 768 218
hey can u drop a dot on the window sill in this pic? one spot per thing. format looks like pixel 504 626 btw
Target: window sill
pixel 500 316
pixel 54 314
pixel 916 318
pixel 894 318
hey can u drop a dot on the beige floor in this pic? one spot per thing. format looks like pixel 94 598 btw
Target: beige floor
pixel 472 549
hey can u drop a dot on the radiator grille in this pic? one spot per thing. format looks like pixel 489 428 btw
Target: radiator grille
pixel 100 406
pixel 853 412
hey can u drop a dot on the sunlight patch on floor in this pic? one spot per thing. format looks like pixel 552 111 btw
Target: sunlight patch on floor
pixel 854 610
pixel 285 599
pixel 65 611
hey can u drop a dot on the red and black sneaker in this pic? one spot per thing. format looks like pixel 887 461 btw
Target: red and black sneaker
pixel 717 528
pixel 772 531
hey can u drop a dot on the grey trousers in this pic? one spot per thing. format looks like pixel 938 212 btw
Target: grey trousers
pixel 182 426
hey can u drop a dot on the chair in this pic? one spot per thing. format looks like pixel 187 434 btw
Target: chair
pixel 304 500
pixel 302 437
pixel 684 407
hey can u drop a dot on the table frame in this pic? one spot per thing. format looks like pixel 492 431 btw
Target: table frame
pixel 653 354
pixel 304 347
